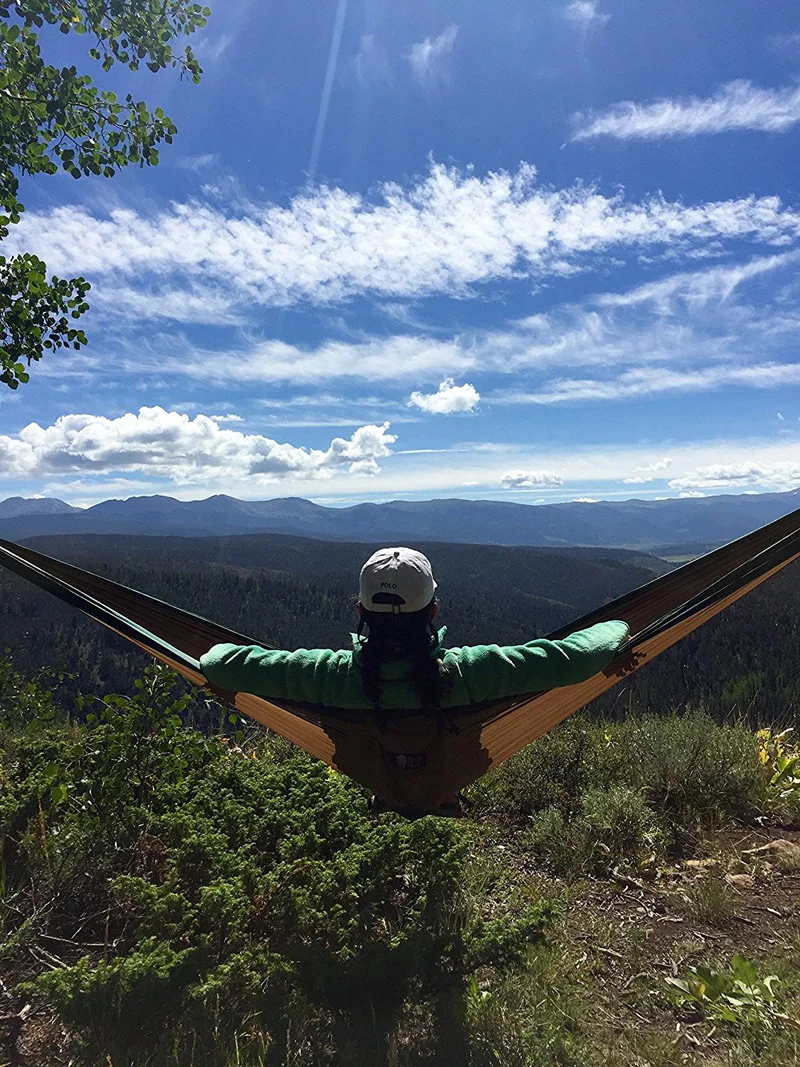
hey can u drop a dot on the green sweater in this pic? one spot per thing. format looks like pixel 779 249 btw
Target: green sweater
pixel 477 673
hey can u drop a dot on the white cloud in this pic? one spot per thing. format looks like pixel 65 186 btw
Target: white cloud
pixel 586 14
pixel 199 162
pixel 645 474
pixel 446 233
pixel 172 445
pixel 650 381
pixel 698 288
pixel 691 494
pixel 447 399
pixel 530 479
pixel 428 57
pixel 586 500
pixel 781 476
pixel 593 470
pixel 785 40
pixel 389 359
pixel 739 105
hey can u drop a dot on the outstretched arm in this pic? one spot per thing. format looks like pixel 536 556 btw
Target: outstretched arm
pixel 492 672
pixel 304 675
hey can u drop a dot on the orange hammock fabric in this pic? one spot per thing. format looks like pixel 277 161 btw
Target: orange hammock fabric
pixel 416 761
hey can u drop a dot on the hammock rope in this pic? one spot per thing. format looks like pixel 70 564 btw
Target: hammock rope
pixel 415 763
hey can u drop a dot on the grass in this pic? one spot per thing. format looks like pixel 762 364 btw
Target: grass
pixel 710 899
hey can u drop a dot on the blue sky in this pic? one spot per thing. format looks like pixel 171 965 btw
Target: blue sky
pixel 528 251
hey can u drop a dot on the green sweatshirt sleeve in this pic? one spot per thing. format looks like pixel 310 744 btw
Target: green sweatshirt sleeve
pixel 491 672
pixel 307 675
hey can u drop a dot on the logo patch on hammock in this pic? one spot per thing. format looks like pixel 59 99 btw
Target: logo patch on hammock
pixel 408 761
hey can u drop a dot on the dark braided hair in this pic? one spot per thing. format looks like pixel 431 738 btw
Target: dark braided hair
pixel 395 634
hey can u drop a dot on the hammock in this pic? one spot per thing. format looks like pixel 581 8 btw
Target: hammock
pixel 416 762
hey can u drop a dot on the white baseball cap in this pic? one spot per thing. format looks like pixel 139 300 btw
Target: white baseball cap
pixel 402 572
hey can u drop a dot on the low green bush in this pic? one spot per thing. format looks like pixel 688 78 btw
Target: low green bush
pixel 241 896
pixel 612 828
pixel 692 773
pixel 696 773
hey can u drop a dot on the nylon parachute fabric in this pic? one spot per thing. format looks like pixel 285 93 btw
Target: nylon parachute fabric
pixel 416 762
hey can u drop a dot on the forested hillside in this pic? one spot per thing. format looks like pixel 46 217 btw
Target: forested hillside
pixel 294 592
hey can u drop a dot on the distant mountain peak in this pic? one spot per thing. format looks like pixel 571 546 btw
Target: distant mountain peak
pixel 16 506
pixel 631 524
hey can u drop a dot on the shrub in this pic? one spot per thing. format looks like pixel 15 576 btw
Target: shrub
pixel 696 774
pixel 612 828
pixel 693 773
pixel 552 772
pixel 621 828
pixel 246 897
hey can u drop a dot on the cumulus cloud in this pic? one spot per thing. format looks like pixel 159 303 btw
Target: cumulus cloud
pixel 585 14
pixel 530 480
pixel 447 399
pixel 446 233
pixel 645 474
pixel 428 57
pixel 173 445
pixel 724 475
pixel 739 105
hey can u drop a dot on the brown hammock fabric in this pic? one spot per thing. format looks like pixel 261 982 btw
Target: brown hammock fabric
pixel 415 761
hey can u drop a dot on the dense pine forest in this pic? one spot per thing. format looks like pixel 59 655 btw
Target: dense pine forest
pixel 296 592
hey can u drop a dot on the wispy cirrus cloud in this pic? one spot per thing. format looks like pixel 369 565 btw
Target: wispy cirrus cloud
pixel 698 288
pixel 448 398
pixel 371 63
pixel 445 234
pixel 200 162
pixel 585 14
pixel 656 380
pixel 739 105
pixel 173 445
pixel 429 57
pixel 690 332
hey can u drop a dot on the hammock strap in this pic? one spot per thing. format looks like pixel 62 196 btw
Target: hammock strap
pixel 114 620
pixel 734 579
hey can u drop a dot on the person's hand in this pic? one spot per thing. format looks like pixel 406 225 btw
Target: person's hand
pixel 225 696
pixel 624 664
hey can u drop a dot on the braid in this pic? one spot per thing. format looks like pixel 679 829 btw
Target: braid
pixel 402 634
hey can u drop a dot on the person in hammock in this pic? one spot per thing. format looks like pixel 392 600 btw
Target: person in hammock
pixel 398 661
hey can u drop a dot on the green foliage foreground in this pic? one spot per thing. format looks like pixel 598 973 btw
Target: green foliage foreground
pixel 173 898
pixel 205 894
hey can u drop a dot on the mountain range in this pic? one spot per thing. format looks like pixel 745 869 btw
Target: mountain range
pixel 673 525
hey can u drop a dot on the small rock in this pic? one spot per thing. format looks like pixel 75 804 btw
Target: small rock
pixel 783 853
pixel 741 881
pixel 699 865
